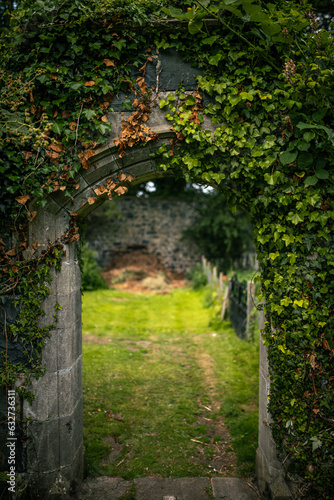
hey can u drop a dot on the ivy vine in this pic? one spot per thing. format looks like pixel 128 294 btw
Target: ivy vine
pixel 267 77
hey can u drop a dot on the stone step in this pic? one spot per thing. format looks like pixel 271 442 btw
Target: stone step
pixel 158 488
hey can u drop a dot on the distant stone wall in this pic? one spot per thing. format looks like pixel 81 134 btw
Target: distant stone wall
pixel 151 224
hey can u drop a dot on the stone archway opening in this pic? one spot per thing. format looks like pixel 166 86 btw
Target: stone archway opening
pixel 55 453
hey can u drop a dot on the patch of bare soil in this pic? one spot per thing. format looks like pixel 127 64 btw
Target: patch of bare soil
pixel 139 271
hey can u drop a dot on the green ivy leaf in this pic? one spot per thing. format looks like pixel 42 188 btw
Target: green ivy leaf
pixel 311 180
pixel 322 174
pixel 288 157
pixel 57 127
pixel 305 159
pixel 195 26
pixel 215 59
pixel 210 40
pixel 308 136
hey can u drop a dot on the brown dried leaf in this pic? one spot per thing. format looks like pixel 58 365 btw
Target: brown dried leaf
pixel 91 200
pixel 53 76
pixel 312 360
pixel 84 158
pixel 121 190
pixel 11 253
pixel 73 125
pixel 104 119
pixel 100 190
pixel 27 155
pixel 51 154
pixel 122 177
pixel 75 237
pixel 111 184
pixel 325 344
pixel 62 188
pixel 22 199
pixel 141 81
pixel 109 62
pixel 90 83
pixel 35 245
pixel 57 147
pixel 32 215
pixel 73 214
pixel 33 109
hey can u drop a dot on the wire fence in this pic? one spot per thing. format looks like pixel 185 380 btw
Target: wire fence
pixel 238 300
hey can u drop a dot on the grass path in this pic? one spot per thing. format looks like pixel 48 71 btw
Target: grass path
pixel 168 391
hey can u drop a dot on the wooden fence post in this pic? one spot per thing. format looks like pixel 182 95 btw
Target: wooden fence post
pixel 250 306
pixel 226 298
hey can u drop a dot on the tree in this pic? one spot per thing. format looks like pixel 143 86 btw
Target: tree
pixel 221 235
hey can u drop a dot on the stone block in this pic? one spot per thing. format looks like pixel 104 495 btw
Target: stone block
pixel 42 229
pixel 64 483
pixel 69 345
pixel 62 223
pixel 134 156
pixel 43 446
pixel 52 206
pixel 83 184
pixel 101 162
pixel 70 254
pixel 50 352
pixel 45 404
pixel 71 435
pixel 143 171
pixel 174 71
pixel 70 309
pixel 70 388
pixel 232 488
pixel 48 306
pixel 106 488
pixel 69 277
pixel 104 168
pixel 156 488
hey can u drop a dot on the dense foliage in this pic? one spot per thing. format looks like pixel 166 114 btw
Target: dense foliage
pixel 222 236
pixel 268 71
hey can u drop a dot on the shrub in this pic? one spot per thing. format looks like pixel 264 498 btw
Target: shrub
pixel 197 277
pixel 91 278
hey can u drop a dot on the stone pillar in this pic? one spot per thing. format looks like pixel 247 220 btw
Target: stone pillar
pixel 55 432
pixel 269 471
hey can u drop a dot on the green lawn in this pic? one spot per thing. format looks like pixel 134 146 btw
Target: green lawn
pixel 161 379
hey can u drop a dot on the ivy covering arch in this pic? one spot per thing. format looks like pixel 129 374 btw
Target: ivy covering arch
pixel 267 77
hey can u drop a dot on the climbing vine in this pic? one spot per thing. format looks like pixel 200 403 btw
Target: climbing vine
pixel 266 83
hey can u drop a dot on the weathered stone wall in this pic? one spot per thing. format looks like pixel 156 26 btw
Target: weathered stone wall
pixel 153 224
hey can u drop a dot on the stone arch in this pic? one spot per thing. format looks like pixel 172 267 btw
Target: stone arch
pixel 54 452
